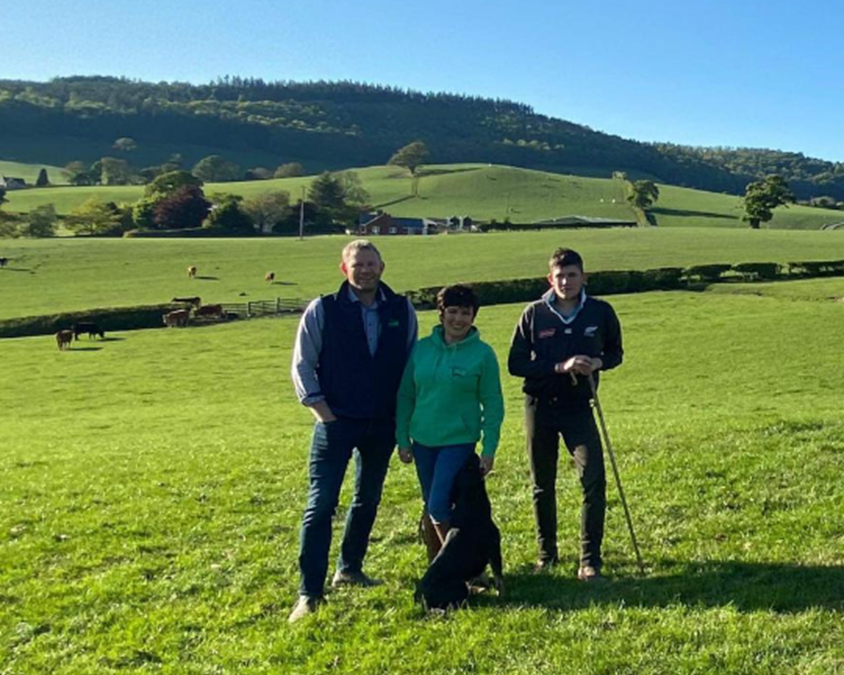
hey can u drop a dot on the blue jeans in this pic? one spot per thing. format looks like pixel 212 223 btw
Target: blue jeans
pixel 437 468
pixel 372 443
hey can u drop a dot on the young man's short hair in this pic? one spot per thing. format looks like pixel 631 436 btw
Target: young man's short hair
pixel 458 295
pixel 563 257
pixel 359 245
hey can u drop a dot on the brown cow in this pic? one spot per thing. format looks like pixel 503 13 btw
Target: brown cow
pixel 269 277
pixel 192 272
pixel 178 317
pixel 209 310
pixel 64 338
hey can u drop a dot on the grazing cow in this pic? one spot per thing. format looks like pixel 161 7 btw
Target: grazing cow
pixel 210 311
pixel 64 338
pixel 269 277
pixel 192 272
pixel 4 262
pixel 178 317
pixel 194 300
pixel 89 327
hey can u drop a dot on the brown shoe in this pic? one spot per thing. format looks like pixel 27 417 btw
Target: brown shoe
pixel 353 579
pixel 589 574
pixel 304 606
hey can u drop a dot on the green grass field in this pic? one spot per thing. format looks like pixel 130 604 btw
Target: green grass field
pixel 483 192
pixel 47 276
pixel 153 485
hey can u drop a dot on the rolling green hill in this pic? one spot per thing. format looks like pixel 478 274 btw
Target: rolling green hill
pixel 340 124
pixel 483 192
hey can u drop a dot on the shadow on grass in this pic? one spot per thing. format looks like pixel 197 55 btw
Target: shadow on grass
pixel 395 201
pixel 283 283
pixel 207 278
pixel 748 587
pixel 661 211
pixel 442 172
pixel 80 348
pixel 17 269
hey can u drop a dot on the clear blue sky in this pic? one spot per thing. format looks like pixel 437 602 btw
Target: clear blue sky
pixel 700 72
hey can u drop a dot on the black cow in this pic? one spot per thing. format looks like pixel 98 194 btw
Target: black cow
pixel 472 542
pixel 89 327
pixel 4 262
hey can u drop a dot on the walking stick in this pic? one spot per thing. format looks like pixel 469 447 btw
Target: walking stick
pixel 597 405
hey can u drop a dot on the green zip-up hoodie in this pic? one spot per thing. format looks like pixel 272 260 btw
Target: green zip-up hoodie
pixel 450 394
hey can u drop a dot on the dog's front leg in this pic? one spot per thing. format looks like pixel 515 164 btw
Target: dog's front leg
pixel 495 561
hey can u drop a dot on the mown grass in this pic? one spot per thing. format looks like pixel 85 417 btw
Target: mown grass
pixel 483 192
pixel 47 276
pixel 153 485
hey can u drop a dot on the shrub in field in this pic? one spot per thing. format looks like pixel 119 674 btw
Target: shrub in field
pixel 761 270
pixel 662 279
pixel 816 268
pixel 607 282
pixel 711 272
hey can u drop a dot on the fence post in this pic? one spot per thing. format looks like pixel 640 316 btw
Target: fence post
pixel 278 305
pixel 248 309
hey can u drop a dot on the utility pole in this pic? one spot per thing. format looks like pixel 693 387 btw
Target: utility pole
pixel 302 215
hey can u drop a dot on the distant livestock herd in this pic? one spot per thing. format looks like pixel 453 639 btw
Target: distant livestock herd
pixel 178 318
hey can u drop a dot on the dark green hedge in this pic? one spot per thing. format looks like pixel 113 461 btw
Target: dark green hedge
pixel 609 282
pixel 109 319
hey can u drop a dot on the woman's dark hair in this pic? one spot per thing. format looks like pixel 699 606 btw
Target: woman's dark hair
pixel 458 295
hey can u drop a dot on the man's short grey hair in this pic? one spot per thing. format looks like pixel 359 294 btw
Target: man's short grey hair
pixel 359 245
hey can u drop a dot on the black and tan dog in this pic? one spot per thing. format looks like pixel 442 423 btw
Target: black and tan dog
pixel 472 543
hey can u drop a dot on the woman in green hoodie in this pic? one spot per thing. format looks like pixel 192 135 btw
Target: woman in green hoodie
pixel 448 400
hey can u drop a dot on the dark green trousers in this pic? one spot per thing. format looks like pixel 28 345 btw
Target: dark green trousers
pixel 546 420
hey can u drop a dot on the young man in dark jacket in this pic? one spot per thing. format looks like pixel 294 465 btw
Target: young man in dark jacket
pixel 559 341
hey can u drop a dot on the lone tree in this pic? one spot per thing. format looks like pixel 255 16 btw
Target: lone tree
pixel 42 180
pixel 411 157
pixel 643 193
pixel 125 144
pixel 40 222
pixel 268 209
pixel 327 192
pixel 762 197
pixel 94 216
pixel 185 208
pixel 216 169
pixel 289 170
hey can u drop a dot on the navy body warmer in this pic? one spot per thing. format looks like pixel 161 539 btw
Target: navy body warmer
pixel 355 383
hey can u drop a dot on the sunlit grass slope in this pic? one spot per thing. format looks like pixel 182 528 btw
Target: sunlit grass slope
pixel 153 485
pixel 78 273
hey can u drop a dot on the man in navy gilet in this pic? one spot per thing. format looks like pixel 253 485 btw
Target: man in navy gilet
pixel 350 353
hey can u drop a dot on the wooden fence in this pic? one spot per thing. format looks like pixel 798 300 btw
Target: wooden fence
pixel 256 308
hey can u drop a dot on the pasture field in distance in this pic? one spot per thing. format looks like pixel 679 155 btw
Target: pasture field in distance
pixel 54 275
pixel 482 192
pixel 153 485
pixel 29 172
